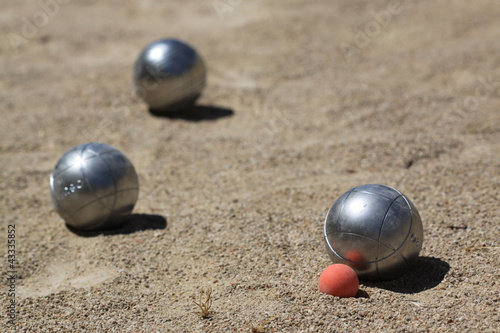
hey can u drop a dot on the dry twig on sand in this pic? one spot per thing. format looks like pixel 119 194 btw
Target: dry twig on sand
pixel 205 302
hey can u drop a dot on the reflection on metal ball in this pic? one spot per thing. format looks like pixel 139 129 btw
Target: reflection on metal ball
pixel 169 76
pixel 94 186
pixel 376 230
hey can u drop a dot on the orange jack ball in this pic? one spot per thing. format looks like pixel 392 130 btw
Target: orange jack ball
pixel 339 280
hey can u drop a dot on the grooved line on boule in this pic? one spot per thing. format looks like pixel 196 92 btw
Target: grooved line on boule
pixel 97 199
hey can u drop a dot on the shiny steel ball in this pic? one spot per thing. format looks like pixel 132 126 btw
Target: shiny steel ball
pixel 376 230
pixel 169 76
pixel 94 186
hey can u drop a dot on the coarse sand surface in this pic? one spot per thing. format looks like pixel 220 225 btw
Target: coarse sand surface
pixel 304 100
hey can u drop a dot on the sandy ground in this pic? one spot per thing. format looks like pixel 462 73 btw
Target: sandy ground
pixel 304 101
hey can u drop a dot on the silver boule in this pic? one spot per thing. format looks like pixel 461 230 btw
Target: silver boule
pixel 169 75
pixel 376 230
pixel 94 186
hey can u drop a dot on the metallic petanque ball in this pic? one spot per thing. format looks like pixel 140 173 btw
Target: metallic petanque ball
pixel 169 75
pixel 376 230
pixel 94 186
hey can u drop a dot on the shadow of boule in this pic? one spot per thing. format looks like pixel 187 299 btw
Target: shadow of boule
pixel 196 113
pixel 133 223
pixel 426 273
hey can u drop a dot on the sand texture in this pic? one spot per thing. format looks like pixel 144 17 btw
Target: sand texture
pixel 304 100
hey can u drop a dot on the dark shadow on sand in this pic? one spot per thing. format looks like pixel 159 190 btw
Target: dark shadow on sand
pixel 134 223
pixel 197 113
pixel 426 273
pixel 362 294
